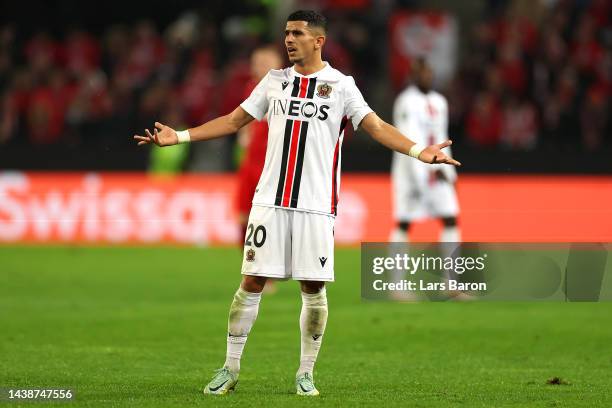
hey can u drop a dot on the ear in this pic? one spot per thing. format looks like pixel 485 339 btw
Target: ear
pixel 319 41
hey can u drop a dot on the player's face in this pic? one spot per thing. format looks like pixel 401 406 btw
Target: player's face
pixel 301 42
pixel 263 61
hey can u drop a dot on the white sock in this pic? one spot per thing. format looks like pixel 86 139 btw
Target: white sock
pixel 398 235
pixel 450 239
pixel 399 245
pixel 242 315
pixel 450 234
pixel 313 319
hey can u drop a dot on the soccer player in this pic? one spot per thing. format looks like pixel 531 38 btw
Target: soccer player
pixel 291 225
pixel 419 190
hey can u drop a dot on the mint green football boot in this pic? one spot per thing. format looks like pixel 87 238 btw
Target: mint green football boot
pixel 222 383
pixel 304 385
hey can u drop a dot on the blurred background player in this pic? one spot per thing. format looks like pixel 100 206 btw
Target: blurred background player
pixel 420 190
pixel 253 140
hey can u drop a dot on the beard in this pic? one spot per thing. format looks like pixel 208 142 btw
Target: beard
pixel 295 60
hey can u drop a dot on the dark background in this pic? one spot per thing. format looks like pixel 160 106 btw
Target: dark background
pixel 104 143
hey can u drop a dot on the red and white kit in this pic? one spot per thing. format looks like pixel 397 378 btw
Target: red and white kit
pixel 417 192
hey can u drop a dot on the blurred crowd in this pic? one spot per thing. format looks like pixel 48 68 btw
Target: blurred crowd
pixel 83 89
pixel 534 73
pixel 80 88
pixel 537 73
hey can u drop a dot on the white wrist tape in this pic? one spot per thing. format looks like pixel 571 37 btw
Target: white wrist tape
pixel 416 150
pixel 183 136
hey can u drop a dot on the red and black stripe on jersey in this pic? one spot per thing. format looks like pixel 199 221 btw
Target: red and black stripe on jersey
pixel 303 87
pixel 294 144
pixel 296 132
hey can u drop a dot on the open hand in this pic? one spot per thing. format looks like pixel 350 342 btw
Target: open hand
pixel 162 136
pixel 433 154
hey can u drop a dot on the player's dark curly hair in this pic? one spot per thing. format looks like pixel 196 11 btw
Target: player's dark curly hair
pixel 313 18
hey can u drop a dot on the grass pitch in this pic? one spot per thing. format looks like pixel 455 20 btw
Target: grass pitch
pixel 146 327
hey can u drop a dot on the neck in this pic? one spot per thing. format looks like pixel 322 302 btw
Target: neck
pixel 423 89
pixel 309 67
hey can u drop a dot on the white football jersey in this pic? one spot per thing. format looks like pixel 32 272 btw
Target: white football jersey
pixel 306 117
pixel 423 117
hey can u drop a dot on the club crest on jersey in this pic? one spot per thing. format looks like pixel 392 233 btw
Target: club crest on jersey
pixel 250 255
pixel 323 91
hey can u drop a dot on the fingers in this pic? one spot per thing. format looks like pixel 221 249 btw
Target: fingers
pixel 437 157
pixel 453 162
pixel 440 157
pixel 142 140
pixel 444 144
pixel 149 138
pixel 447 160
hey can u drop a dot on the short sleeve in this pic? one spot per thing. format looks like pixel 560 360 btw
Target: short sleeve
pixel 256 104
pixel 355 107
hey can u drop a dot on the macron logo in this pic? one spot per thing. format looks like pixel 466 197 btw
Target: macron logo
pixel 322 260
pixel 285 83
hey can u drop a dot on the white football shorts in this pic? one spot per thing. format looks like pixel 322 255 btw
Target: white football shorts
pixel 415 197
pixel 288 244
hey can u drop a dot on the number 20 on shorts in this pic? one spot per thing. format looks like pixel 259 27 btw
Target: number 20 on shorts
pixel 258 234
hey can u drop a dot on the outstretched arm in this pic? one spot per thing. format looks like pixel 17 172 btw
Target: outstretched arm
pixel 224 125
pixel 390 137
